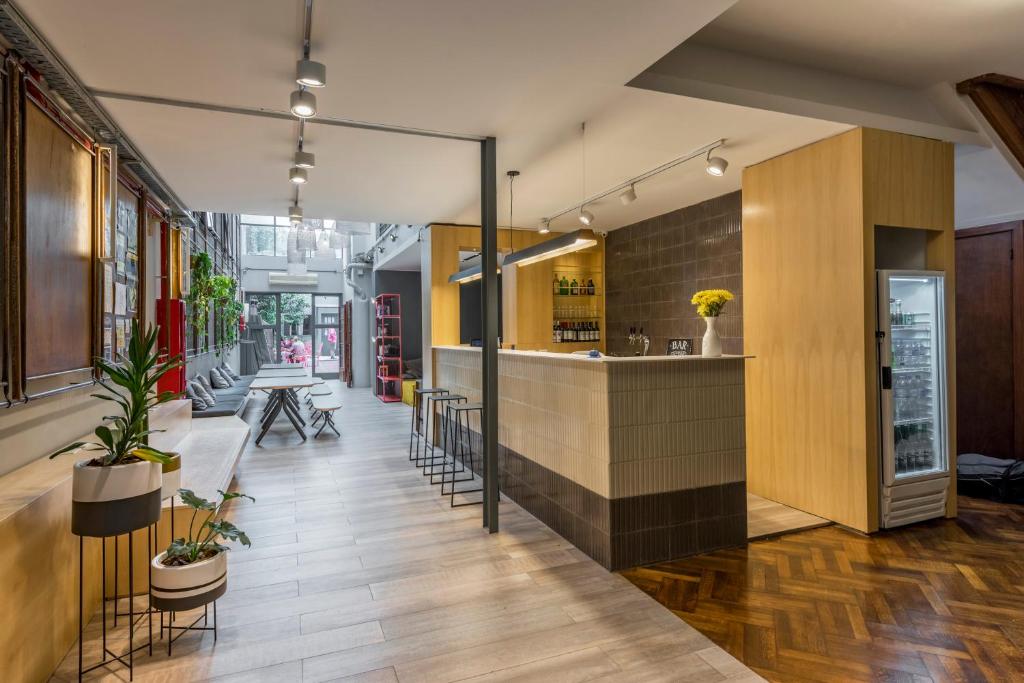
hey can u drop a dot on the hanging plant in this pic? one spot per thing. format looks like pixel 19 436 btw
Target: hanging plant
pixel 199 297
pixel 224 294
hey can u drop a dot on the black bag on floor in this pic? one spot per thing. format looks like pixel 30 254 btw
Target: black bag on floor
pixel 988 477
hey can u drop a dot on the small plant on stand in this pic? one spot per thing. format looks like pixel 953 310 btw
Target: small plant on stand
pixel 709 303
pixel 193 571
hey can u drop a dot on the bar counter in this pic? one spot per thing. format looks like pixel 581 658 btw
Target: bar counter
pixel 633 460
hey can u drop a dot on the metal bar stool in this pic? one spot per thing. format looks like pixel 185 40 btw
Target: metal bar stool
pixel 428 464
pixel 417 418
pixel 462 446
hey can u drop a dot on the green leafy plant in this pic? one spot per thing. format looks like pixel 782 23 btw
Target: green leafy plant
pixel 224 294
pixel 295 308
pixel 202 542
pixel 200 295
pixel 130 383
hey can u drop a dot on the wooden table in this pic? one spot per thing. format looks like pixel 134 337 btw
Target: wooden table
pixel 282 398
pixel 297 371
pixel 280 366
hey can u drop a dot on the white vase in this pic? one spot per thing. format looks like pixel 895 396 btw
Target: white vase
pixel 711 346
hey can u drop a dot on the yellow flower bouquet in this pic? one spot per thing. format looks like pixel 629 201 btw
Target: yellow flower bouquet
pixel 709 302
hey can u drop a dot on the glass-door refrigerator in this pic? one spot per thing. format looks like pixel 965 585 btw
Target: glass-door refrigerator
pixel 914 433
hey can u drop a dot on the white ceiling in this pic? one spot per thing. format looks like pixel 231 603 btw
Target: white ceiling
pixel 527 72
pixel 642 130
pixel 910 42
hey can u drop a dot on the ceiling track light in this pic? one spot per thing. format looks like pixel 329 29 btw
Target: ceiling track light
pixel 303 103
pixel 626 191
pixel 298 175
pixel 716 165
pixel 545 227
pixel 305 159
pixel 310 74
pixel 295 212
pixel 628 195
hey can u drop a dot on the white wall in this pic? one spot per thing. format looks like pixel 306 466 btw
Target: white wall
pixel 256 272
pixel 987 189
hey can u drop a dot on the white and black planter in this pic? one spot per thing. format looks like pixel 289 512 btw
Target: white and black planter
pixel 185 587
pixel 171 477
pixel 109 501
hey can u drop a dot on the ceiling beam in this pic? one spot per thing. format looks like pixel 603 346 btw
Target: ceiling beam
pixel 286 116
pixel 1000 99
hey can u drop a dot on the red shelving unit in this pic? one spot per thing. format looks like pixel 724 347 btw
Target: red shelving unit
pixel 388 386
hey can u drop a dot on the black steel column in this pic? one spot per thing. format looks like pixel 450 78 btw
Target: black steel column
pixel 489 316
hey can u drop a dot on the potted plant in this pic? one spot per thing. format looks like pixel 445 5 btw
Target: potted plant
pixel 709 303
pixel 119 490
pixel 192 572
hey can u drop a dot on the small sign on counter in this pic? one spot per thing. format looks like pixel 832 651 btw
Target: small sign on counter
pixel 679 347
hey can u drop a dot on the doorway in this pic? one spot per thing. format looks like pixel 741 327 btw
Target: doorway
pixel 298 327
pixel 990 340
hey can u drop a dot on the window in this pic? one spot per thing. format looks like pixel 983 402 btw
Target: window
pixel 268 235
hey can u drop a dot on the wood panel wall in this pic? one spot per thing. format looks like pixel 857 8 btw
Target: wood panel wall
pixel 58 248
pixel 533 284
pixel 809 218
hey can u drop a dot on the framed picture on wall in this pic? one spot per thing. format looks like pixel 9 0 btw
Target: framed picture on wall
pixel 184 262
pixel 120 298
pixel 108 288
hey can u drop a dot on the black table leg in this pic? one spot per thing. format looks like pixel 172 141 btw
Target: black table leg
pixel 270 418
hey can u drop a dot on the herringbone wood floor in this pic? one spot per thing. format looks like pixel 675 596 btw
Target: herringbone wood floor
pixel 941 601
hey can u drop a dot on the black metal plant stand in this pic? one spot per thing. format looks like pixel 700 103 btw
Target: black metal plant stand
pixel 126 659
pixel 204 617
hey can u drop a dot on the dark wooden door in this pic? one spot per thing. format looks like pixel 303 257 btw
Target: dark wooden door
pixel 985 358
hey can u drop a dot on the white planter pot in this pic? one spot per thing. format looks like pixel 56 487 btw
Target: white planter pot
pixel 171 477
pixel 711 345
pixel 189 586
pixel 108 501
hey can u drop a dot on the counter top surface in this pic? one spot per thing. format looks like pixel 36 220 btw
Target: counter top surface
pixel 587 359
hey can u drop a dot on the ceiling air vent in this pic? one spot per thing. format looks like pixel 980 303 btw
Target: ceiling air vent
pixel 287 279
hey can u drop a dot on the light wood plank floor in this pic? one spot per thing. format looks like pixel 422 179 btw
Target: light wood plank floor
pixel 360 571
pixel 768 518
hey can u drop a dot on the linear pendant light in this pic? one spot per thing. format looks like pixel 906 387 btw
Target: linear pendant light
pixel 565 243
pixel 470 274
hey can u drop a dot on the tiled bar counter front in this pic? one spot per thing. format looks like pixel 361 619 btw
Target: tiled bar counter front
pixel 633 460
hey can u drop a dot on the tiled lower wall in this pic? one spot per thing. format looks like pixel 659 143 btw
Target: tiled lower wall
pixel 627 480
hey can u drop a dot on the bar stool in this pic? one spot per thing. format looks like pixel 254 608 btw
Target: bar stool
pixel 458 415
pixel 417 418
pixel 433 401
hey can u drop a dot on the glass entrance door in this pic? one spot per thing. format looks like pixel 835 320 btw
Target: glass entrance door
pixel 264 327
pixel 327 336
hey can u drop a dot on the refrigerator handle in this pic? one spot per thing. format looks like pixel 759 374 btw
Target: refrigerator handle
pixel 886 377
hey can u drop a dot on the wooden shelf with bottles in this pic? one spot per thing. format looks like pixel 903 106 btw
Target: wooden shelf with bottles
pixel 585 309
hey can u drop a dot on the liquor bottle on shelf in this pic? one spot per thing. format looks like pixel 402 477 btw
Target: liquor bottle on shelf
pixel 563 286
pixel 597 331
pixel 556 286
pixel 591 290
pixel 574 287
pixel 556 333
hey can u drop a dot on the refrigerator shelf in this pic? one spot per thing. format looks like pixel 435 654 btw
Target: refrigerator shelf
pixel 913 421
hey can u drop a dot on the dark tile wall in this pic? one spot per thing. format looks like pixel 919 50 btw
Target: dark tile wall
pixel 653 267
pixel 622 532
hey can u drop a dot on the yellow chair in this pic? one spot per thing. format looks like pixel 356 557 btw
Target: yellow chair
pixel 408 386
